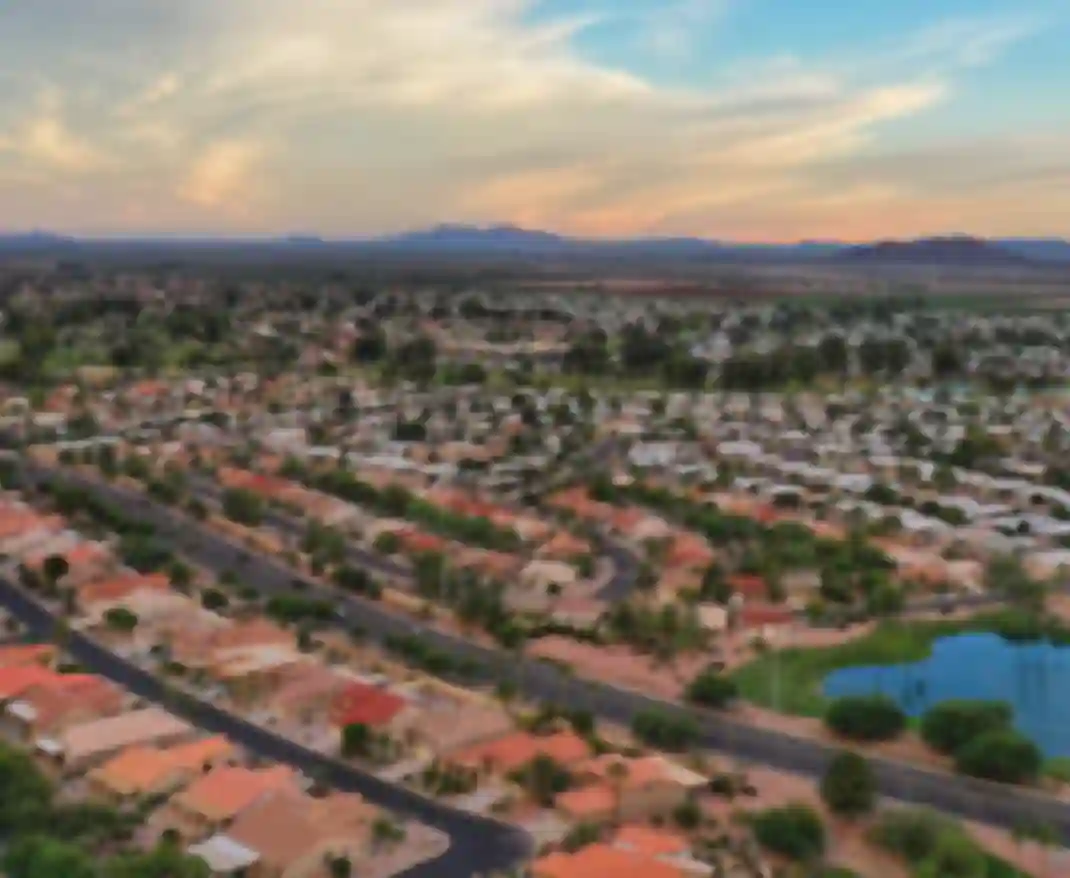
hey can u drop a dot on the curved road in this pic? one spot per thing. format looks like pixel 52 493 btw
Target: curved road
pixel 954 794
pixel 478 845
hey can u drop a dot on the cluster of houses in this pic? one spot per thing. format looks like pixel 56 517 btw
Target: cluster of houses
pixel 548 567
pixel 98 743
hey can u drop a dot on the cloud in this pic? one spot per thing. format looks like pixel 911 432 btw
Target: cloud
pixel 166 86
pixel 43 140
pixel 221 176
pixel 670 30
pixel 354 116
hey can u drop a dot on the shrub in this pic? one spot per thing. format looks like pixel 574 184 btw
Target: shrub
pixel 849 787
pixel 1004 756
pixel 120 619
pixel 955 856
pixel 666 731
pixel 951 724
pixel 794 831
pixel 866 718
pixel 910 833
pixel 711 689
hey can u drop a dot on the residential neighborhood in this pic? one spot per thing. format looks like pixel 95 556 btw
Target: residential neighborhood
pixel 353 586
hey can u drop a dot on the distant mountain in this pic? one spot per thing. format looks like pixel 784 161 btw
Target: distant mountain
pixel 454 242
pixel 956 250
pixel 475 238
pixel 1038 249
pixel 34 241
pixel 511 239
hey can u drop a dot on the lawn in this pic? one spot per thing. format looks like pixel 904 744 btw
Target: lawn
pixel 795 676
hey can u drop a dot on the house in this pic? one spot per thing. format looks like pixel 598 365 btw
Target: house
pixel 80 747
pixel 291 835
pixel 139 772
pixel 212 802
pixel 306 690
pixel 85 562
pixel 49 707
pixel 447 725
pixel 20 678
pixel 365 704
pixel 18 654
pixel 602 861
pixel 652 842
pixel 540 575
pixel 503 755
pixel 689 551
pixel 563 546
pixel 612 787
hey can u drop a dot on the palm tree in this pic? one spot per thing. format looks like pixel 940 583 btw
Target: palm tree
pixel 617 773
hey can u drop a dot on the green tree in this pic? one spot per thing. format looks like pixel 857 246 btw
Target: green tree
pixel 121 619
pixel 950 725
pixel 25 793
pixel 55 568
pixel 180 574
pixel 866 718
pixel 712 689
pixel 213 599
pixel 1002 755
pixel 37 856
pixel 849 787
pixel 544 779
pixel 792 831
pixel 243 506
pixel 955 856
pixel 357 741
pixel 340 867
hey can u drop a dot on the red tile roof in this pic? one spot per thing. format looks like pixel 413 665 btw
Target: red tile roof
pixel 750 587
pixel 14 681
pixel 365 704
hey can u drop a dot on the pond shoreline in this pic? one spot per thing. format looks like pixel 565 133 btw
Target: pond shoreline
pixel 791 679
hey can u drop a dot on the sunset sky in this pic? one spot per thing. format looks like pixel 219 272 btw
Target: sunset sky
pixel 732 119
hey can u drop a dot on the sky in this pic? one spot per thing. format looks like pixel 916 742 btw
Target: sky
pixel 749 120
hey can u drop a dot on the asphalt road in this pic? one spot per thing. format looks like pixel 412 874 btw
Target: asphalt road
pixel 616 588
pixel 478 846
pixel 964 797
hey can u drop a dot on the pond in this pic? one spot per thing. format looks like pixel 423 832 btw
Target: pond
pixel 1034 678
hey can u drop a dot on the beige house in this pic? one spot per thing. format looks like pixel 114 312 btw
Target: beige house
pixel 291 835
pixel 80 747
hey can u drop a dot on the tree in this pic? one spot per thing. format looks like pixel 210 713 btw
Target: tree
pixel 243 506
pixel 666 731
pixel 1001 755
pixel 44 857
pixel 793 831
pixel 712 689
pixel 544 779
pixel 25 793
pixel 180 574
pixel 212 599
pixel 866 718
pixel 950 725
pixel 386 832
pixel 955 856
pixel 849 787
pixel 121 619
pixel 357 741
pixel 166 860
pixel 340 867
pixel 54 569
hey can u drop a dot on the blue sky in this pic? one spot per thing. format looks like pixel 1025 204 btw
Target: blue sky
pixel 746 119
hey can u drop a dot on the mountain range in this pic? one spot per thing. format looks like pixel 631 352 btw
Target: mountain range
pixel 510 241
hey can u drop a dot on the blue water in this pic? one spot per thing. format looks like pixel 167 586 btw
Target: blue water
pixel 1034 678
